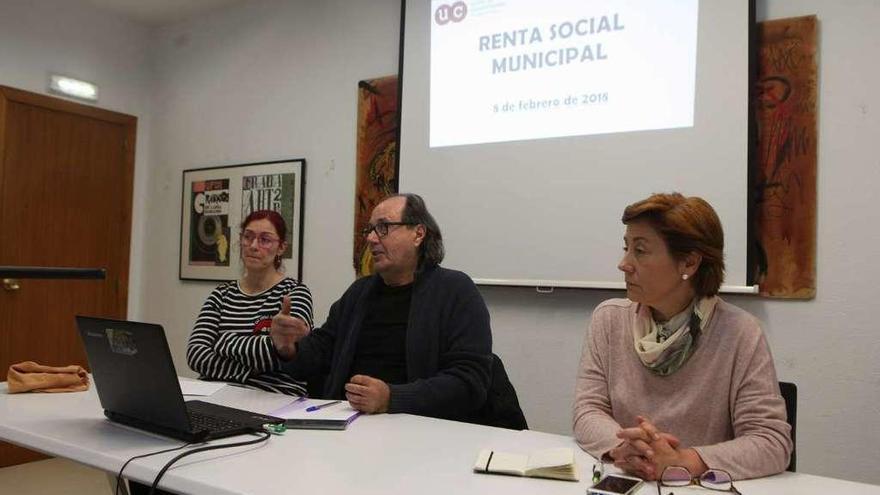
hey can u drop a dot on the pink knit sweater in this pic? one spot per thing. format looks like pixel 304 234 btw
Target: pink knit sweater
pixel 724 401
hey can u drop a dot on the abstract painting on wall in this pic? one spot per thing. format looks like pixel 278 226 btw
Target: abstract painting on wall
pixel 376 173
pixel 785 182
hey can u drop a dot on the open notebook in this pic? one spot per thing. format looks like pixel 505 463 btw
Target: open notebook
pixel 315 414
pixel 555 463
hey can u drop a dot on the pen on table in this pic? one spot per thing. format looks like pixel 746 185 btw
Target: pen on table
pixel 322 406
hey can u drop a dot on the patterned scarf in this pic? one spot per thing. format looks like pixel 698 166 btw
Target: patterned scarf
pixel 664 348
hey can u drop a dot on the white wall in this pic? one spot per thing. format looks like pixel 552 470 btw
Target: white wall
pixel 274 79
pixel 261 81
pixel 42 36
pixel 830 346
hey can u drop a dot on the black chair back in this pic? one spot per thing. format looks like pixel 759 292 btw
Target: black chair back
pixel 502 407
pixel 789 394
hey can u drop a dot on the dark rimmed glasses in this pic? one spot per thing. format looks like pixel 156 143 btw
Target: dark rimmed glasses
pixel 381 227
pixel 713 479
pixel 263 239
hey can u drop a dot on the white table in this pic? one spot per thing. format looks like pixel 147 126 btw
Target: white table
pixel 382 454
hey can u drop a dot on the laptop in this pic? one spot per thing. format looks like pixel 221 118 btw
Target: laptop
pixel 138 386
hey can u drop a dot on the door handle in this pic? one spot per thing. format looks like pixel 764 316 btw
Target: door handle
pixel 11 284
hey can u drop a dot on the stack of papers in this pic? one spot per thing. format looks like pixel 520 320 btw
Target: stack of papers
pixel 188 386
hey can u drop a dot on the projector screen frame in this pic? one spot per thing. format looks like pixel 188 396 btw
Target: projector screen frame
pixel 754 261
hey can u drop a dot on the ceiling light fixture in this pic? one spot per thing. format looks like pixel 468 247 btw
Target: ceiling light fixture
pixel 74 88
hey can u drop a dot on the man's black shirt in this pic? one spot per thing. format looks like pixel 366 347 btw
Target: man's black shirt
pixel 381 345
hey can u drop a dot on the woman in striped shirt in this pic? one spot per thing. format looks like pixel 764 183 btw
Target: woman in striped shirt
pixel 230 340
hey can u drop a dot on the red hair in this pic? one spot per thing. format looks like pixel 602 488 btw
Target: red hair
pixel 275 219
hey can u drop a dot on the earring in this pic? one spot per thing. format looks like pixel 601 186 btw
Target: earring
pixel 684 276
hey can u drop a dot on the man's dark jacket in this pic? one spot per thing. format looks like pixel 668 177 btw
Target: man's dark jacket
pixel 448 346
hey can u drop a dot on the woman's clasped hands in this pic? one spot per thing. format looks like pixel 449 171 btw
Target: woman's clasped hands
pixel 645 451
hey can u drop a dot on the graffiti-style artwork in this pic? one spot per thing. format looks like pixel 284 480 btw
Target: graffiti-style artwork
pixel 786 106
pixel 376 158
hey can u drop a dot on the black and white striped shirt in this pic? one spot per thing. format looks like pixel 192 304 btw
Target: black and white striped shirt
pixel 230 340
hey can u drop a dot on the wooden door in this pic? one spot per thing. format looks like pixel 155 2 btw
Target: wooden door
pixel 66 173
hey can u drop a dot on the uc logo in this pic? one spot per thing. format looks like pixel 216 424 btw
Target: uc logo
pixel 450 13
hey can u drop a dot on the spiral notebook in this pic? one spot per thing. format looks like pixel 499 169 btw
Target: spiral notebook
pixel 316 414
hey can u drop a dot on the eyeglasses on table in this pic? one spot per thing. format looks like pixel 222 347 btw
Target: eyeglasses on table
pixel 714 479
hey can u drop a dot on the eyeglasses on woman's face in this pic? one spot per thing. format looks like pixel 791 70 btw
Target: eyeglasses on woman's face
pixel 713 479
pixel 264 239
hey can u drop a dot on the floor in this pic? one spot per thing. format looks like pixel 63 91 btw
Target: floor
pixel 56 476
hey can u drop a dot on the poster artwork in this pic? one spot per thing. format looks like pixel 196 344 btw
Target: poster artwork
pixel 214 202
pixel 376 174
pixel 270 192
pixel 209 223
pixel 785 189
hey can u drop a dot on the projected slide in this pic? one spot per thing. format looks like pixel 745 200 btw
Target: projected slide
pixel 508 70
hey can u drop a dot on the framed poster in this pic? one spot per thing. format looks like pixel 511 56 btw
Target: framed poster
pixel 216 200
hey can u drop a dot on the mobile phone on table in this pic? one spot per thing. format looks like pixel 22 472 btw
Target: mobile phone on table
pixel 615 484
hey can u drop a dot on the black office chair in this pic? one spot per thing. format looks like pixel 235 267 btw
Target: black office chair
pixel 502 407
pixel 789 394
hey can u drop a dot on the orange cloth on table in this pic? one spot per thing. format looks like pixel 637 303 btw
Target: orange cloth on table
pixel 29 376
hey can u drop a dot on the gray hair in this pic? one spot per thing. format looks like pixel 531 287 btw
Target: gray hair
pixel 415 211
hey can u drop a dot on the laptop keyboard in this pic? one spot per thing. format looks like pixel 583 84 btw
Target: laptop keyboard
pixel 202 421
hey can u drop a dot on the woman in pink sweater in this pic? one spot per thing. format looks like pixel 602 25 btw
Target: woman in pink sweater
pixel 673 375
